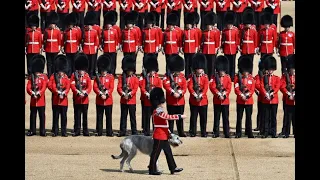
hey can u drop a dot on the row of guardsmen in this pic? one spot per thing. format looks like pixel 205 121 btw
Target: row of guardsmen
pixel 265 84
pixel 151 40
pixel 159 7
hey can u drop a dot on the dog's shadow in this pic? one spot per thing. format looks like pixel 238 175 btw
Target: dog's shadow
pixel 146 172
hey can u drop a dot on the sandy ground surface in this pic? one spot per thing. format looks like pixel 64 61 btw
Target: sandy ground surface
pixel 202 158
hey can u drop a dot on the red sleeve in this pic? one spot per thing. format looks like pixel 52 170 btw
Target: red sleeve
pixel 111 85
pixel 73 84
pixel 119 87
pixel 179 41
pixel 59 38
pixel 205 86
pixel 44 86
pixel 166 84
pixel 79 35
pixel 95 87
pixel 199 37
pixel 259 38
pixel 50 83
pixel 196 39
pixel 166 116
pixel 256 39
pixel 257 83
pixel 135 86
pixel 237 37
pixel 29 87
pixel 96 43
pixel 142 86
pixel 184 85
pixel 283 85
pixel 228 88
pixel 213 86
pixel 275 40
pixel 252 88
pixel 236 86
pixel 277 86
pixel 41 40
pixel 157 38
pixel 294 40
pixel 217 39
pixel 190 85
pixel 116 38
pixel 89 85
pixel 262 89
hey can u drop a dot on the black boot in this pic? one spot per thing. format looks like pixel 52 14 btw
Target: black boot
pixel 176 170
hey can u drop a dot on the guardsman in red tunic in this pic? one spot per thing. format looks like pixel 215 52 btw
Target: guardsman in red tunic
pixel 171 38
pixel 62 10
pixel 59 85
pixel 210 41
pixel 189 41
pixel 52 41
pixel 161 132
pixel 125 7
pixel 195 26
pixel 230 42
pixel 79 7
pixel 110 40
pixel 150 36
pixel 244 86
pixel 90 43
pixel 198 84
pixel 222 7
pixel 149 80
pixel 220 86
pixel 103 86
pixel 258 6
pixel 135 15
pixel 81 88
pixel 127 88
pixel 286 41
pixel 248 36
pixel 288 83
pixel 206 6
pixel 95 6
pixel 46 7
pixel 275 5
pixel 36 87
pixel 71 41
pixel 267 36
pixel 33 39
pixel 175 85
pixel 238 7
pixel 269 89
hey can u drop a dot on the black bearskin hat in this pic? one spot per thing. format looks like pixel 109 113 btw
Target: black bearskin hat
pixel 128 63
pixel 61 64
pixel 196 17
pixel 229 17
pixel 222 63
pixel 172 19
pixel 33 20
pixel 245 64
pixel 37 63
pixel 199 61
pixel 104 63
pixel 53 18
pixel 150 18
pixel 176 63
pixel 150 62
pixel 157 97
pixel 90 18
pixel 210 18
pixel 81 62
pixel 286 21
pixel 270 63
pixel 189 18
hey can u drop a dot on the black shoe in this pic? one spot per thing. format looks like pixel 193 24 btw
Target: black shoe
pixel 238 136
pixel 86 134
pixel 54 135
pixel 75 134
pixel 285 136
pixel 256 129
pixel 110 134
pixel 134 133
pixel 251 136
pixel 204 135
pixel 274 136
pixel 183 135
pixel 98 134
pixel 121 134
pixel 64 135
pixel 215 135
pixel 192 135
pixel 43 135
pixel 154 173
pixel 176 170
pixel 226 136
pixel 30 133
pixel 280 134
pixel 264 136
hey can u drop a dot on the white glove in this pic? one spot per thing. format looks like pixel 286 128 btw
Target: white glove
pixel 180 91
pixel 33 93
pixel 268 96
pixel 195 95
pixel 289 93
pixel 147 94
pixel 37 93
pixel 220 94
pixel 242 95
pixel 257 50
pixel 200 95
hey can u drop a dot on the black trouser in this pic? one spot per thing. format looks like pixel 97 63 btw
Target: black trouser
pixel 220 15
pixel 81 21
pixel 29 57
pixel 123 119
pixel 35 12
pixel 133 54
pixel 284 62
pixel 162 18
pixel 232 64
pixel 98 14
pixel 122 24
pixel 62 24
pixel 289 117
pixel 159 145
pixel 141 20
pixel 59 110
pixel 70 58
pixel 147 111
pixel 108 113
pixel 179 17
pixel 78 110
pixel 211 58
pixel 177 13
pixel 167 59
pixel 187 63
pixel 176 110
pixel 157 16
pixel 92 59
pixel 43 20
pixel 257 20
pixel 154 54
pixel 50 62
pixel 270 119
pixel 142 116
pixel 262 54
pixel 238 19
pixel 275 19
pixel 248 126
pixel 33 119
pixel 259 114
pixel 104 13
pixel 113 64
pixel 202 111
pixel 202 14
pixel 217 111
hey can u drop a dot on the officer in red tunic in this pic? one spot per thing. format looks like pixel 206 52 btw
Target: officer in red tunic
pixel 81 88
pixel 210 42
pixel 230 42
pixel 244 86
pixel 127 88
pixel 220 86
pixel 161 132
pixel 90 43
pixel 33 39
pixel 287 88
pixel 269 89
pixel 248 36
pixel 62 10
pixel 175 85
pixel 36 87
pixel 267 36
pixel 52 41
pixel 110 40
pixel 189 41
pixel 198 84
pixel 103 86
pixel 286 41
pixel 59 85
pixel 195 26
pixel 149 80
pixel 150 36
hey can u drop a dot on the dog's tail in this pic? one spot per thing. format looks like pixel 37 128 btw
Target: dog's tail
pixel 121 155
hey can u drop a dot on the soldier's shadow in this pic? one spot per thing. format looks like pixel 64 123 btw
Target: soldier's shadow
pixel 146 172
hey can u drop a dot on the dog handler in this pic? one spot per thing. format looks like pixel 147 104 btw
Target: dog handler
pixel 161 132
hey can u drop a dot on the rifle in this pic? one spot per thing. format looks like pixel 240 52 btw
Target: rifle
pixel 58 85
pixel 290 86
pixel 83 38
pixel 102 39
pixel 223 39
pixel 100 85
pixel 45 37
pixel 125 88
pixel 266 85
pixel 173 84
pixel 219 86
pixel 27 40
pixel 145 75
pixel 34 86
pixel 78 83
pixel 143 41
pixel 196 86
pixel 164 43
pixel 202 42
pixel 242 87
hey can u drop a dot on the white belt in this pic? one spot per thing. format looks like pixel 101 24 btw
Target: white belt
pixel 52 40
pixel 161 126
pixel 230 42
pixel 108 41
pixel 266 42
pixel 171 42
pixel 129 41
pixel 71 41
pixel 90 44
pixel 209 43
pixel 150 41
pixel 245 41
pixel 33 42
pixel 286 44
pixel 190 41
